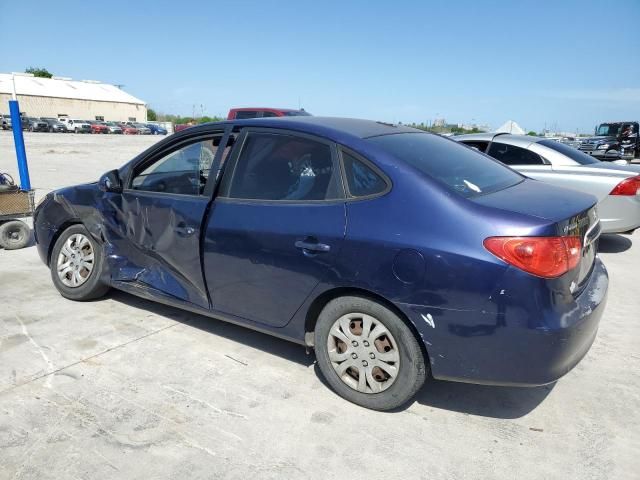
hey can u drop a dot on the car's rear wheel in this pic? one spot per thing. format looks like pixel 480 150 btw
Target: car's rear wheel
pixel 368 354
pixel 14 234
pixel 77 264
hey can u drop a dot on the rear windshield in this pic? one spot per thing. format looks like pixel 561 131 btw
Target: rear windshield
pixel 571 152
pixel 461 168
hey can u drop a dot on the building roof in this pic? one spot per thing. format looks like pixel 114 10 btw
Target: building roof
pixel 66 88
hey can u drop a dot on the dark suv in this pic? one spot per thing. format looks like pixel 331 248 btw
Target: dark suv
pixel 613 141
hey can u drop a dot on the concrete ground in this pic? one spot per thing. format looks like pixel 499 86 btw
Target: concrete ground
pixel 125 388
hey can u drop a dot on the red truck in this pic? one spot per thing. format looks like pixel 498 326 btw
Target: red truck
pixel 249 112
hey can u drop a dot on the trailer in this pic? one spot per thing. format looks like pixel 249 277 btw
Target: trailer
pixel 15 205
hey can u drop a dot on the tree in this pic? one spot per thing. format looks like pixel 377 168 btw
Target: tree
pixel 532 134
pixel 151 115
pixel 39 72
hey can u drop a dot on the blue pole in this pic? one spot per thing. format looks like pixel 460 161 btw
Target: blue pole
pixel 18 139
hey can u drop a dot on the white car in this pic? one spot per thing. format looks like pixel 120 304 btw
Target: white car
pixel 617 187
pixel 76 126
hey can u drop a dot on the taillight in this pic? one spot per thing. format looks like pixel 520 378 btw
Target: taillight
pixel 547 257
pixel 629 186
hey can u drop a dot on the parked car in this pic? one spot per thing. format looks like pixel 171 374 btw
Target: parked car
pixel 396 253
pixel 615 186
pixel 6 122
pixel 182 126
pixel 128 129
pixel 76 126
pixel 140 127
pixel 114 128
pixel 37 125
pixel 613 141
pixel 252 112
pixel 98 126
pixel 571 141
pixel 156 129
pixel 54 125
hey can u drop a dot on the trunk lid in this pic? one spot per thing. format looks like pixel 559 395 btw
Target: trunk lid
pixel 538 199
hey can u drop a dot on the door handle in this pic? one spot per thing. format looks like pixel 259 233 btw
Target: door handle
pixel 185 231
pixel 311 246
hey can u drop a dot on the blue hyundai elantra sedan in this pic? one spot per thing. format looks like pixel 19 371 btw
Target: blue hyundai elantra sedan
pixel 394 253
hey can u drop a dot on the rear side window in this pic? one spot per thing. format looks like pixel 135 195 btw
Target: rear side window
pixel 246 114
pixel 512 155
pixel 462 169
pixel 282 167
pixel 362 180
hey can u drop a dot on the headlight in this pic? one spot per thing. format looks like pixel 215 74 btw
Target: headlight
pixel 602 147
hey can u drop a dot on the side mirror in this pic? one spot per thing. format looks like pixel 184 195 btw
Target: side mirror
pixel 110 182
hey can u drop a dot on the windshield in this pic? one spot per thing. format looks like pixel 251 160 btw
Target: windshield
pixel 459 167
pixel 608 129
pixel 296 113
pixel 568 151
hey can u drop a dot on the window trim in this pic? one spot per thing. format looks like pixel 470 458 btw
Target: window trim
pixel 232 163
pixel 168 150
pixel 369 164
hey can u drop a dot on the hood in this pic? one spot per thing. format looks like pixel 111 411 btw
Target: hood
pixel 542 200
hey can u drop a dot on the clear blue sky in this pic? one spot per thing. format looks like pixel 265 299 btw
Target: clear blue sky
pixel 566 63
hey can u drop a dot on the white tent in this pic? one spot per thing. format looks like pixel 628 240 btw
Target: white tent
pixel 510 127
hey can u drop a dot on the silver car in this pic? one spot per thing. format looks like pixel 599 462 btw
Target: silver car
pixel 616 186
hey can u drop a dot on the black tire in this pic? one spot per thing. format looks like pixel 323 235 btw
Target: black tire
pixel 413 367
pixel 14 234
pixel 94 286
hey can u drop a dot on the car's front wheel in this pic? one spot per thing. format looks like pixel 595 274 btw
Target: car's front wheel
pixel 368 354
pixel 77 264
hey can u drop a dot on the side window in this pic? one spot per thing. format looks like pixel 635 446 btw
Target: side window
pixel 184 171
pixel 511 155
pixel 282 167
pixel 246 114
pixel 268 114
pixel 478 145
pixel 361 179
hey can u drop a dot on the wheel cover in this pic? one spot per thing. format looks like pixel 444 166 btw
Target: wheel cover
pixel 363 353
pixel 75 261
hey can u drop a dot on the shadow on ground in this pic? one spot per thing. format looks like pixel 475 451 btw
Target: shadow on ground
pixel 266 343
pixel 483 400
pixel 613 243
pixel 479 400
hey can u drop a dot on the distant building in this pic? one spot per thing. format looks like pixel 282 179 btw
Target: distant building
pixel 471 126
pixel 63 97
pixel 439 122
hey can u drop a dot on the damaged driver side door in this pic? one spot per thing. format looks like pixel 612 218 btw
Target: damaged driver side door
pixel 154 230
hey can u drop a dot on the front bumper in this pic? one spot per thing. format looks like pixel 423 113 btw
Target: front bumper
pixel 512 347
pixel 602 154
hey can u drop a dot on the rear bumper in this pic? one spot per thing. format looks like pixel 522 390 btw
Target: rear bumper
pixel 512 347
pixel 619 213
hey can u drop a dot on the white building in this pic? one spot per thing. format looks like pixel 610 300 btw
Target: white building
pixel 64 97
